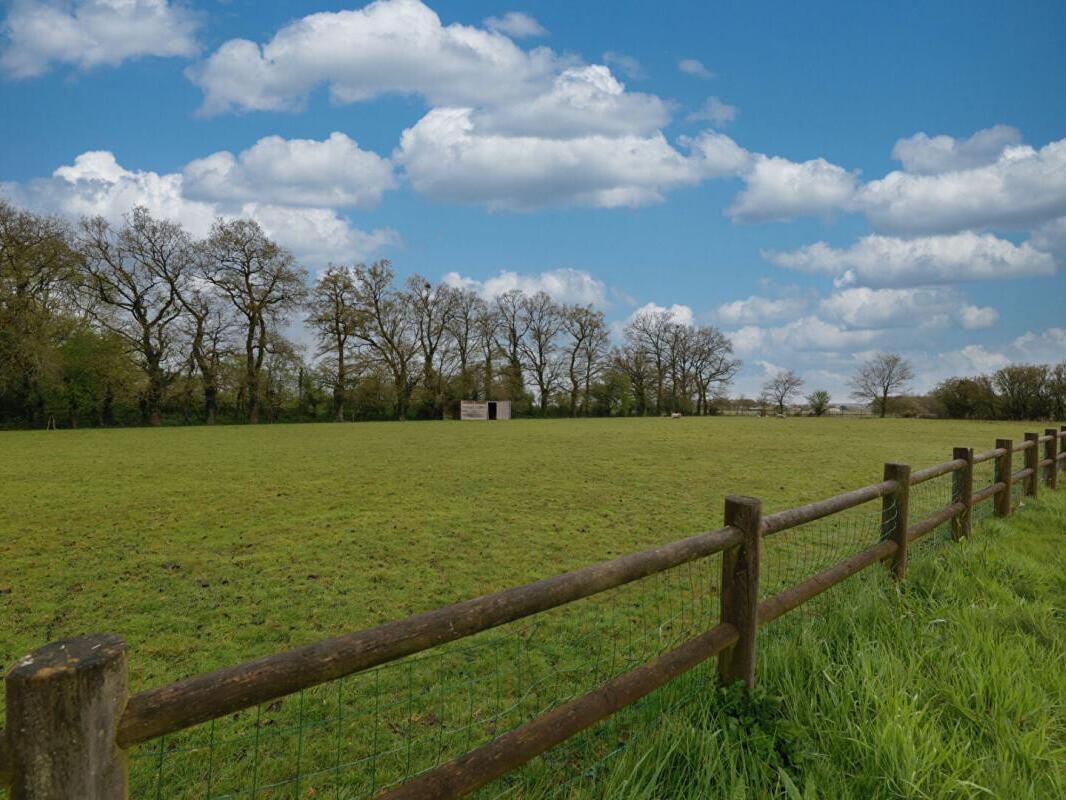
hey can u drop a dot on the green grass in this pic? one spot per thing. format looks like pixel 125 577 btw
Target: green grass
pixel 950 685
pixel 208 547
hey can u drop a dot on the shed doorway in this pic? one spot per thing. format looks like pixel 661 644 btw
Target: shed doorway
pixel 492 409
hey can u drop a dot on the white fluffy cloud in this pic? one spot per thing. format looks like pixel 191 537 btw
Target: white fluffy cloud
pixel 37 34
pixel 447 157
pixel 757 309
pixel 810 333
pixel 1022 188
pixel 925 155
pixel 890 261
pixel 295 172
pixel 581 101
pixel 516 24
pixel 694 67
pixel 563 285
pixel 779 189
pixel 864 308
pixel 715 112
pixel 390 46
pixel 96 184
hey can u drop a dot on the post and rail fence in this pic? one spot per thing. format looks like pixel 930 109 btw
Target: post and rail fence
pixel 70 720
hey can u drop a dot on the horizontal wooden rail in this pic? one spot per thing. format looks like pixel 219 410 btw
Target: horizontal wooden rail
pixel 935 471
pixel 988 455
pixel 1021 474
pixel 782 603
pixel 793 517
pixel 488 762
pixel 1047 437
pixel 919 529
pixel 1045 462
pixel 988 491
pixel 156 712
pixel 1024 445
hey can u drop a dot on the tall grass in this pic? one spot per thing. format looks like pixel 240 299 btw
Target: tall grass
pixel 950 685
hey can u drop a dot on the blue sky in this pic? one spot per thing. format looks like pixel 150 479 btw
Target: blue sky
pixel 820 180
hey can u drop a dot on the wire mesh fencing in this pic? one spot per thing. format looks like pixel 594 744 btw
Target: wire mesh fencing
pixel 354 737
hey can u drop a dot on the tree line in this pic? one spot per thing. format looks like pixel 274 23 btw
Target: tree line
pixel 104 324
pixel 1014 392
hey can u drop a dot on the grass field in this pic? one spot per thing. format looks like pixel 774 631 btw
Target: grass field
pixel 207 547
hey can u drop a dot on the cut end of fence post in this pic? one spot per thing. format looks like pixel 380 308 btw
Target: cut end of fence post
pixel 64 702
pixel 740 590
pixel 894 512
pixel 1003 475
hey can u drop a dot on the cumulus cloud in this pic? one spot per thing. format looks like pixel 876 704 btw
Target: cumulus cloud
pixel 38 34
pixel 865 308
pixel 757 309
pixel 446 157
pixel 810 333
pixel 878 260
pixel 390 46
pixel 779 189
pixel 581 101
pixel 96 184
pixel 516 24
pixel 715 112
pixel 1051 236
pixel 296 172
pixel 1048 346
pixel 563 285
pixel 1022 188
pixel 692 66
pixel 925 155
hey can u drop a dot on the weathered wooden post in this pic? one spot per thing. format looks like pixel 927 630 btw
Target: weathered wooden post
pixel 64 702
pixel 1051 450
pixel 1032 461
pixel 740 590
pixel 1002 475
pixel 962 492
pixel 894 512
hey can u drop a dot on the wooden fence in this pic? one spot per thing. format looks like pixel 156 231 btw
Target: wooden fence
pixel 70 719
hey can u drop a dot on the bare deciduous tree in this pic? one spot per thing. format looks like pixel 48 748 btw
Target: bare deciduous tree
pixel 879 377
pixel 386 326
pixel 331 313
pixel 585 346
pixel 782 387
pixel 542 320
pixel 129 288
pixel 264 284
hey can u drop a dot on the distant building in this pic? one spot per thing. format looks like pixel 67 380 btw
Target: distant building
pixel 484 409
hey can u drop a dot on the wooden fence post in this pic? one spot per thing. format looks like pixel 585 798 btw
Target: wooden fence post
pixel 1051 450
pixel 894 514
pixel 64 702
pixel 1002 474
pixel 740 590
pixel 962 492
pixel 1032 461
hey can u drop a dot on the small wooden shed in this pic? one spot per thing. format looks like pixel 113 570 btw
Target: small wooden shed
pixel 484 409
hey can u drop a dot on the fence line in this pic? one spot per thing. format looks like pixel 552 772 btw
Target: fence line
pixel 70 719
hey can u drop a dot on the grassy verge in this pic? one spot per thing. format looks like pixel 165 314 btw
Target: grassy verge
pixel 949 685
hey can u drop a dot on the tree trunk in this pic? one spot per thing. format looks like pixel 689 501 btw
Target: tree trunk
pixel 210 403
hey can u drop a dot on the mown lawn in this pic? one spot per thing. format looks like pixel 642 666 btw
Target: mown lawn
pixel 207 547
